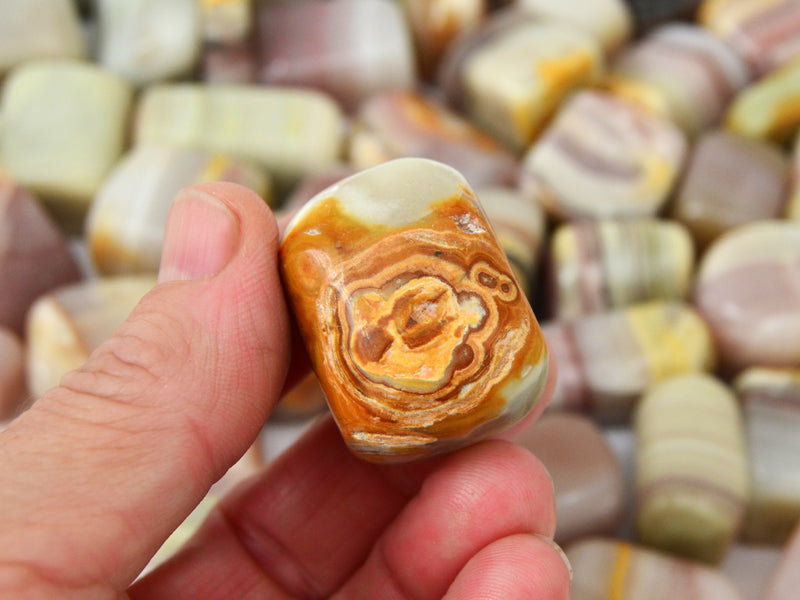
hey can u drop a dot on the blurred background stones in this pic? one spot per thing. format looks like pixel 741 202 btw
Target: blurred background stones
pixel 639 161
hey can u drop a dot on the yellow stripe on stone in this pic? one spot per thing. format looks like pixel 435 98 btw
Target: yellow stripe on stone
pixel 214 168
pixel 663 340
pixel 619 573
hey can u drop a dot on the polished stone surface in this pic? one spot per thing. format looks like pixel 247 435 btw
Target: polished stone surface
pixel 596 266
pixel 12 374
pixel 692 474
pixel 603 156
pixel 421 338
pixel 748 289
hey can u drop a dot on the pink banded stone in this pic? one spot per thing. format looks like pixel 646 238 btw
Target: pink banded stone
pixel 748 290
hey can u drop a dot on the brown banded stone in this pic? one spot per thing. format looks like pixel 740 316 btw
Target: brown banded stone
pixel 416 327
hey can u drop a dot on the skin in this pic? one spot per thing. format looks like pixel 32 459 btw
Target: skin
pixel 97 474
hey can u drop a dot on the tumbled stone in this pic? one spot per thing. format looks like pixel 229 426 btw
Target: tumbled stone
pixel 360 47
pixel 692 479
pixel 62 150
pixel 607 569
pixel 39 29
pixel 765 33
pixel 610 21
pixel 730 180
pixel 435 24
pixel 225 21
pixel 768 109
pixel 607 361
pixel 228 63
pixel 304 400
pixel 291 132
pixel 12 374
pixel 596 266
pixel 513 81
pixel 34 255
pixel 518 222
pixel 312 184
pixel 605 157
pixel 771 403
pixel 125 225
pixel 149 40
pixel 793 203
pixel 66 325
pixel 398 124
pixel 682 72
pixel 748 290
pixel 587 478
pixel 421 338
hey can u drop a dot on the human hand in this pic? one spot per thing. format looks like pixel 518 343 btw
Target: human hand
pixel 96 475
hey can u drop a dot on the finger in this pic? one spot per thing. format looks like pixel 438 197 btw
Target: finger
pixel 482 494
pixel 517 567
pixel 306 525
pixel 130 442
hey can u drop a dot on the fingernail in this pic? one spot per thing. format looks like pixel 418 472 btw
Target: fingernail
pixel 201 237
pixel 558 550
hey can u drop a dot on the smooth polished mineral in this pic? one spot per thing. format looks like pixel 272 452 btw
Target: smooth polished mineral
pixel 793 204
pixel 765 33
pixel 12 374
pixel 514 82
pixel 771 403
pixel 398 124
pixel 692 478
pixel 604 156
pixel 225 21
pixel 770 108
pixel 66 325
pixel 416 327
pixel 34 256
pixel 350 49
pixel 291 132
pixel 148 40
pixel 64 126
pixel 587 477
pixel 748 290
pixel 607 361
pixel 610 21
pixel 730 180
pixel 125 224
pixel 682 72
pixel 607 569
pixel 519 224
pixel 596 266
pixel 37 29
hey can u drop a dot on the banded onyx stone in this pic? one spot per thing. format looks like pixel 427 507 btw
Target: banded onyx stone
pixel 771 402
pixel 730 180
pixel 149 40
pixel 435 24
pixel 349 49
pixel 748 290
pixel 587 477
pixel 39 29
pixel 126 221
pixel 422 339
pixel 398 124
pixel 65 326
pixel 12 374
pixel 793 203
pixel 610 21
pixel 765 33
pixel 606 361
pixel 606 569
pixel 34 255
pixel 603 156
pixel 768 109
pixel 692 478
pixel 225 21
pixel 514 81
pixel 596 266
pixel 517 219
pixel 682 72
pixel 63 150
pixel 290 132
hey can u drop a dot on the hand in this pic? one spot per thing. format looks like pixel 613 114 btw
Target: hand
pixel 97 474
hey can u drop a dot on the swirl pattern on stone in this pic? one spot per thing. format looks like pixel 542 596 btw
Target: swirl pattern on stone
pixel 416 327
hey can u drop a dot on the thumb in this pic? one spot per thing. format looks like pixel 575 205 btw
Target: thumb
pixel 98 473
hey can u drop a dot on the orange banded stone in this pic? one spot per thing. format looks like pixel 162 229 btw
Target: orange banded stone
pixel 420 335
